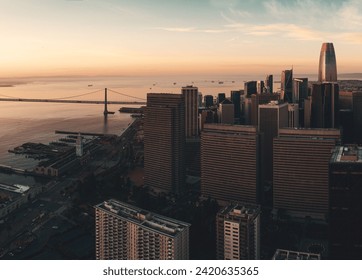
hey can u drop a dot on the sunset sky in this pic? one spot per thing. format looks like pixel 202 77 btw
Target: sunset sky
pixel 141 37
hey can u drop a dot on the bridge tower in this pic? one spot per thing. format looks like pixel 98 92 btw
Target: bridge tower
pixel 105 102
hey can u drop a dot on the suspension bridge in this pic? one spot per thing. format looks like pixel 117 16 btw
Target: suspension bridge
pixel 126 99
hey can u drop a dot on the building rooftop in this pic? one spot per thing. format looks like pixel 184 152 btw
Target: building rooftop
pixel 231 128
pixel 347 154
pixel 143 218
pixel 324 133
pixel 293 255
pixel 241 210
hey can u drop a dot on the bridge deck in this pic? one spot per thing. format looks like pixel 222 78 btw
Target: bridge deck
pixel 71 101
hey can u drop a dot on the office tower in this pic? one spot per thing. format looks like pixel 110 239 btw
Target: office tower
pixel 220 97
pixel 357 115
pixel 226 112
pixel 208 100
pixel 125 232
pixel 281 254
pixel 287 85
pixel 164 142
pixel 300 93
pixel 250 88
pixel 325 106
pixel 272 117
pixel 190 94
pixel 235 99
pixel 293 115
pixel 307 112
pixel 327 71
pixel 230 162
pixel 300 90
pixel 238 232
pixel 258 99
pixel 260 87
pixel 345 209
pixel 300 174
pixel 269 84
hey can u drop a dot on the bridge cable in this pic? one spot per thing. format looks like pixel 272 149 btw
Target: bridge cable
pixel 68 97
pixel 123 94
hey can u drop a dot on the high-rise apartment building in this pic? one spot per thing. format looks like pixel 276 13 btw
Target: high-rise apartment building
pixel 125 232
pixel 164 142
pixel 325 105
pixel 345 209
pixel 271 117
pixel 190 94
pixel 287 85
pixel 230 162
pixel 238 232
pixel 300 170
pixel 327 71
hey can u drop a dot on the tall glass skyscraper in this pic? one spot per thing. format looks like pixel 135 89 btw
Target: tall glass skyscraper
pixel 327 71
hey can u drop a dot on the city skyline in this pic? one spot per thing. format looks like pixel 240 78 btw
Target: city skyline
pixel 79 37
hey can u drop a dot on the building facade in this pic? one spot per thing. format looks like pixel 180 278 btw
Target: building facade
pixel 125 232
pixel 300 174
pixel 271 118
pixel 230 162
pixel 164 142
pixel 190 94
pixel 325 105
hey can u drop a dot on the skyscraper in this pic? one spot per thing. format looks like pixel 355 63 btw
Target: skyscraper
pixel 272 117
pixel 226 112
pixel 164 142
pixel 269 83
pixel 238 232
pixel 300 166
pixel 327 71
pixel 190 94
pixel 230 162
pixel 325 105
pixel 235 99
pixel 287 85
pixel 125 232
pixel 250 88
